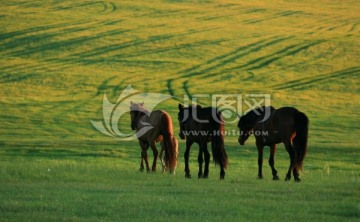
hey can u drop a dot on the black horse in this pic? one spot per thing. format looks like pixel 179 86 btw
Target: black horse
pixel 202 125
pixel 271 126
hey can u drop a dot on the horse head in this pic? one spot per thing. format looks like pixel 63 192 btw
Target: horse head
pixel 245 128
pixel 182 120
pixel 135 112
pixel 248 121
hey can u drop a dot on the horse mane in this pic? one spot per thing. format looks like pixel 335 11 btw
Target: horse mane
pixel 198 107
pixel 190 110
pixel 254 116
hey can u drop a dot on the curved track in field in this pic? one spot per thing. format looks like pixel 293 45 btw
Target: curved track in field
pixel 264 52
pixel 41 57
pixel 102 7
pixel 58 58
pixel 305 83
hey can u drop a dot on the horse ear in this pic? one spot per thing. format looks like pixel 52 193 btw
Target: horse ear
pixel 131 103
pixel 181 106
pixel 142 104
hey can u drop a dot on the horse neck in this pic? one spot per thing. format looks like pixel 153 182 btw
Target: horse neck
pixel 254 118
pixel 263 114
pixel 201 114
pixel 141 114
pixel 144 112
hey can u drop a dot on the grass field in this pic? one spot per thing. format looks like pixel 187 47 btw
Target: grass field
pixel 59 58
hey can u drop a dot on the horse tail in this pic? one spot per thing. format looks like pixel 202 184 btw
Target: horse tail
pixel 217 140
pixel 169 141
pixel 301 138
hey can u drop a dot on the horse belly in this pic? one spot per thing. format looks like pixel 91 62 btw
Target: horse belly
pixel 146 135
pixel 268 139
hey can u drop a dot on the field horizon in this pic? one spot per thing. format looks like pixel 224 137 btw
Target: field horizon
pixel 60 59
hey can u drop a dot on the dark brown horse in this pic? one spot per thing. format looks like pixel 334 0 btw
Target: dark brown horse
pixel 151 128
pixel 202 125
pixel 271 126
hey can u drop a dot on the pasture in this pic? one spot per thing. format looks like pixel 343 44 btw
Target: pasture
pixel 59 58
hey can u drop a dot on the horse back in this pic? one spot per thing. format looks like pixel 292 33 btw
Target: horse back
pixel 281 124
pixel 284 118
pixel 161 121
pixel 158 120
pixel 155 117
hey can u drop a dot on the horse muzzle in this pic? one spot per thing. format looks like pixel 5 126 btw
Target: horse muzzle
pixel 241 141
pixel 182 136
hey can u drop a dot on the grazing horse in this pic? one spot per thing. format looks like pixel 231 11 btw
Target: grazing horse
pixel 152 127
pixel 202 125
pixel 271 126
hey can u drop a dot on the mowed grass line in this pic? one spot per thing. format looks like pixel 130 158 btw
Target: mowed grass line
pixel 59 59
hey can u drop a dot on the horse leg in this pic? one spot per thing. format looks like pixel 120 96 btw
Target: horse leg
pixel 222 172
pixel 161 157
pixel 144 146
pixel 144 157
pixel 155 152
pixel 142 161
pixel 186 157
pixel 292 166
pixel 272 161
pixel 296 175
pixel 207 160
pixel 260 160
pixel 200 161
pixel 142 165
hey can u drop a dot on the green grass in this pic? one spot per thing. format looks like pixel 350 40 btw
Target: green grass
pixel 59 58
pixel 57 187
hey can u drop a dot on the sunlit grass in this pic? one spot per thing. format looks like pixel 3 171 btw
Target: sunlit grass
pixel 59 58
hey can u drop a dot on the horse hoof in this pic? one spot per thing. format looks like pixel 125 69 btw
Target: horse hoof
pixel 260 177
pixel 275 178
pixel 297 180
pixel 222 175
pixel 188 176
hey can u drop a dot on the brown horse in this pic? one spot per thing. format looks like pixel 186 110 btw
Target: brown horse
pixel 202 125
pixel 152 127
pixel 271 126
